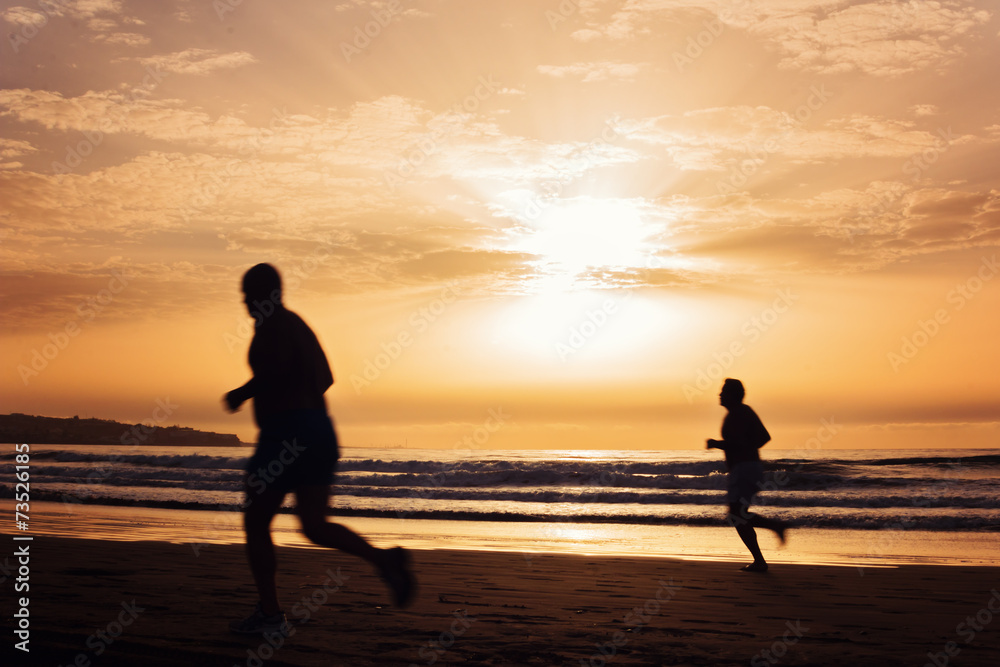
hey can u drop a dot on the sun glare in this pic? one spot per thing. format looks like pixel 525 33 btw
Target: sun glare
pixel 588 234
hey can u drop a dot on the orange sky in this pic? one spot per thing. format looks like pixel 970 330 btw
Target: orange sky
pixel 581 215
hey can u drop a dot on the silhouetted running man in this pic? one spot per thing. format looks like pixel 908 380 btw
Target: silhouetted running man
pixel 296 450
pixel 742 435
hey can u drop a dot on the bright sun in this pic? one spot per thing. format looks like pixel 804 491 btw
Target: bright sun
pixel 588 233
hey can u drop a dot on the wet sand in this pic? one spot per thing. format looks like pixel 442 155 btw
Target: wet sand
pixel 161 604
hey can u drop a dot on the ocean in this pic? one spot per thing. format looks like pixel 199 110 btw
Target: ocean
pixel 524 499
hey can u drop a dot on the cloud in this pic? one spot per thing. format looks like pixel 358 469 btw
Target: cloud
pixel 22 17
pixel 592 72
pixel 465 262
pixel 837 231
pixel 198 62
pixel 883 39
pixel 924 110
pixel 124 38
pixel 715 139
pixel 91 8
pixel 102 24
pixel 84 10
pixel 398 139
pixel 586 35
pixel 100 17
pixel 824 36
pixel 110 112
pixel 13 148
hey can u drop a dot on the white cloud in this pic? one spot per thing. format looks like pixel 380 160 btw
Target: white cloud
pixel 198 62
pixel 14 148
pixel 591 72
pixel 133 39
pixel 102 24
pixel 586 35
pixel 924 110
pixel 22 17
pixel 826 36
pixel 711 139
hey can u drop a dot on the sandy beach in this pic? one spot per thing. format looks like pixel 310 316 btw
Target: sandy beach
pixel 153 603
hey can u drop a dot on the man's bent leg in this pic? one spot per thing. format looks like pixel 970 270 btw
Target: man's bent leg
pixel 770 524
pixel 311 503
pixel 393 564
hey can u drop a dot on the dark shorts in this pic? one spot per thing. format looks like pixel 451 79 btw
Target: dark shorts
pixel 295 448
pixel 743 482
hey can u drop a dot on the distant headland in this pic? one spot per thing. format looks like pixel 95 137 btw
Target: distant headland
pixel 32 429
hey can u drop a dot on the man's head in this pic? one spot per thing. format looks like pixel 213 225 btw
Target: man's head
pixel 261 290
pixel 732 392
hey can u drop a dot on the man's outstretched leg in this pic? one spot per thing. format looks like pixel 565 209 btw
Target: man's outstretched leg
pixel 393 564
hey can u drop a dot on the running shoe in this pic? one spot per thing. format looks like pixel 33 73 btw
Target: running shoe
pixel 259 623
pixel 397 576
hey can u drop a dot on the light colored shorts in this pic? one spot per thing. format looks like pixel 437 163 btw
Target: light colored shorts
pixel 743 482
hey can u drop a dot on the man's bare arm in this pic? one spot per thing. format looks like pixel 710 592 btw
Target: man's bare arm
pixel 234 399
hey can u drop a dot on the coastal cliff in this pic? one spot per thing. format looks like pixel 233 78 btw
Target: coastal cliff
pixel 32 429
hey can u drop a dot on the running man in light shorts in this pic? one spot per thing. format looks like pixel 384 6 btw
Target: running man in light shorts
pixel 743 435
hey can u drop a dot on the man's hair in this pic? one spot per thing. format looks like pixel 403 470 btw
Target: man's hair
pixel 734 387
pixel 261 280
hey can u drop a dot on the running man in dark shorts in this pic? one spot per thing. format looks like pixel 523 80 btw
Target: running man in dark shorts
pixel 296 452
pixel 742 435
